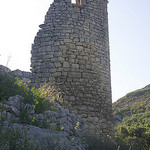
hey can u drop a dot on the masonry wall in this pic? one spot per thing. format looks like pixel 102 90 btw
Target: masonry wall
pixel 71 50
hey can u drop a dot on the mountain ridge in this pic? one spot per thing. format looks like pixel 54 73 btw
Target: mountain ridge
pixel 132 103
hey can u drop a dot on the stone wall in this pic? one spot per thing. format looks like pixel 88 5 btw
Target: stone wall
pixel 71 50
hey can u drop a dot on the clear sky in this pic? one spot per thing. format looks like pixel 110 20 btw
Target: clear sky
pixel 129 29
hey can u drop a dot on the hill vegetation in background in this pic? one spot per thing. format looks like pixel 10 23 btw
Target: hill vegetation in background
pixel 132 117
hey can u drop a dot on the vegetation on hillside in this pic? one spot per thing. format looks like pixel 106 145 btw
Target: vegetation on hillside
pixel 132 118
pixel 40 97
pixel 11 138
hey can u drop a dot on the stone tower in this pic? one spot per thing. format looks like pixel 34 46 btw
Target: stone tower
pixel 71 50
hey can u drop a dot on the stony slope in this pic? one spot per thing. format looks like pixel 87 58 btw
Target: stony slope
pixel 42 123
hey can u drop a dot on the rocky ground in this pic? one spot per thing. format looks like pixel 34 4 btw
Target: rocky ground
pixel 56 128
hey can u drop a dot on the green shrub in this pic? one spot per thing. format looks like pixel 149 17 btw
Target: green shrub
pixel 101 143
pixel 24 117
pixel 135 137
pixel 41 97
pixel 11 86
pixel 7 87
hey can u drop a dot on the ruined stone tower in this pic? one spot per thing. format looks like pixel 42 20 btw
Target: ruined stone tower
pixel 71 50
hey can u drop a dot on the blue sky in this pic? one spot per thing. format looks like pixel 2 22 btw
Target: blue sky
pixel 129 29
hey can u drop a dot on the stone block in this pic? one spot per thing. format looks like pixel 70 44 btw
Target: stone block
pixel 67 41
pixel 80 48
pixel 57 64
pixel 65 64
pixel 72 98
pixel 64 73
pixel 63 47
pixel 57 54
pixel 75 65
pixel 71 60
pixel 74 74
pixel 56 74
pixel 61 59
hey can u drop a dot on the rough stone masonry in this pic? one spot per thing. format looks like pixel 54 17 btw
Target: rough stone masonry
pixel 71 50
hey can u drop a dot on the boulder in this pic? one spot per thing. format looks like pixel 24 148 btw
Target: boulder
pixel 43 139
pixel 15 101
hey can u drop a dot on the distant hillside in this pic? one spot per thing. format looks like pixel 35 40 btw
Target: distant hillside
pixel 132 117
pixel 136 102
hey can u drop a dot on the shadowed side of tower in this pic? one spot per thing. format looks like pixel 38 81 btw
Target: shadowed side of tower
pixel 71 50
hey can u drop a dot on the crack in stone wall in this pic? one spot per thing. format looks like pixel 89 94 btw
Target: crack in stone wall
pixel 71 50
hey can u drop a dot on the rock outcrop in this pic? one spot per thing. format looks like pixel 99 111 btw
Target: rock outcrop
pixel 22 75
pixel 56 127
pixel 4 69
